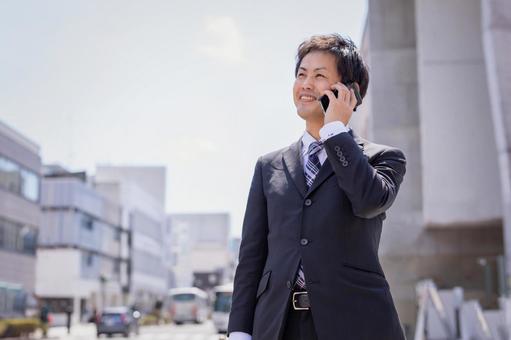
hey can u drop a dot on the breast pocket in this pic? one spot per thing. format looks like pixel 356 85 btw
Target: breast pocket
pixel 263 284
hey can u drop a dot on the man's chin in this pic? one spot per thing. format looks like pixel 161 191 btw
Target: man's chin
pixel 308 114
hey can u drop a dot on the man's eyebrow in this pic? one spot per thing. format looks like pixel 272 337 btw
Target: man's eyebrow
pixel 316 69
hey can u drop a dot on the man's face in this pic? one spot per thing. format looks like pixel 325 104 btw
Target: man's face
pixel 317 71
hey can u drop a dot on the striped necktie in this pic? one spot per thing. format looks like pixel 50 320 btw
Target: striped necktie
pixel 311 170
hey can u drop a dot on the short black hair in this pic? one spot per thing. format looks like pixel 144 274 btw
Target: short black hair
pixel 350 65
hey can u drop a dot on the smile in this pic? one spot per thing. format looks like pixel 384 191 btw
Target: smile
pixel 307 98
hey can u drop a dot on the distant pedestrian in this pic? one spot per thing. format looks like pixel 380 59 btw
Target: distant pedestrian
pixel 44 317
pixel 93 318
pixel 69 311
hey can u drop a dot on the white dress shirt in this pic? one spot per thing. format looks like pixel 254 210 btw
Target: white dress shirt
pixel 327 131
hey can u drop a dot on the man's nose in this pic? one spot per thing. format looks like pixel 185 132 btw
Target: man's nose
pixel 307 83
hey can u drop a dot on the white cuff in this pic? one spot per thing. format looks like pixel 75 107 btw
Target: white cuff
pixel 332 129
pixel 240 336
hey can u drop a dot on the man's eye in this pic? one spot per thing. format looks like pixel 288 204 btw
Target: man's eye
pixel 320 75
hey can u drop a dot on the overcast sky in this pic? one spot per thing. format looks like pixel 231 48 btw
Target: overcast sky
pixel 201 87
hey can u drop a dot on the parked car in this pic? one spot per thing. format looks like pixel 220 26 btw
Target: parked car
pixel 117 320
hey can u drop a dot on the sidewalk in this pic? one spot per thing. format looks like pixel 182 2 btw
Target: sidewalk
pixel 78 331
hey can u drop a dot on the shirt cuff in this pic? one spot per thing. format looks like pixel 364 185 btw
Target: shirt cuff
pixel 240 336
pixel 331 129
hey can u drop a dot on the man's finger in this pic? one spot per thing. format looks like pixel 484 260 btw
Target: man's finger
pixel 329 94
pixel 344 93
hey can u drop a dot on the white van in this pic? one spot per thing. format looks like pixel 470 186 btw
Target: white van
pixel 188 305
pixel 222 306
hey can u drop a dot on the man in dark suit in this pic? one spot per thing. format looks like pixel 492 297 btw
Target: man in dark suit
pixel 308 264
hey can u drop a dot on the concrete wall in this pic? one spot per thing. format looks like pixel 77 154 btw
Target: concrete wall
pixel 18 268
pixel 461 180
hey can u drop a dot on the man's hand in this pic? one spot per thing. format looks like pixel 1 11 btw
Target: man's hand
pixel 340 108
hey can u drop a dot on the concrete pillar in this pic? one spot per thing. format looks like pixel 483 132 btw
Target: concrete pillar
pixel 394 120
pixel 428 97
pixel 496 33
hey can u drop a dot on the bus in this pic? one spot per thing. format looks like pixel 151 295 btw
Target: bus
pixel 188 305
pixel 222 306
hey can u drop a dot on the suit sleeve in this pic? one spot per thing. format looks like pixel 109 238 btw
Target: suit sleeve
pixel 371 185
pixel 252 257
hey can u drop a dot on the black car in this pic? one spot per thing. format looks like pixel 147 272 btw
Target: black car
pixel 117 320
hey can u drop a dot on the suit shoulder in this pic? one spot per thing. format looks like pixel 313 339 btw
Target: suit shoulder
pixel 273 158
pixel 375 149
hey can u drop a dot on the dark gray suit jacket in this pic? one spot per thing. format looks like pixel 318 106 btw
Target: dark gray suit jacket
pixel 334 228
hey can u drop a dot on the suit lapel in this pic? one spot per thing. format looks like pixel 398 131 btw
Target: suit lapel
pixel 325 171
pixel 292 158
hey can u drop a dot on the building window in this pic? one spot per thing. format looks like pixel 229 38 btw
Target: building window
pixel 18 180
pixel 117 234
pixel 9 175
pixel 87 222
pixel 2 235
pixel 30 185
pixel 17 237
pixel 117 266
pixel 28 240
pixel 12 300
pixel 89 259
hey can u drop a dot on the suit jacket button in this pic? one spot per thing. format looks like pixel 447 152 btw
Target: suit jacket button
pixel 304 242
pixel 308 202
pixel 288 284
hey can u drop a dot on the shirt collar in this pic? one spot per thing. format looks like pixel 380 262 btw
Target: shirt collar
pixel 307 139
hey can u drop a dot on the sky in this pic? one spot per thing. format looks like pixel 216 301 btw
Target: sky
pixel 201 87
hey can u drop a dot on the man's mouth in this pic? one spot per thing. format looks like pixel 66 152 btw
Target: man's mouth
pixel 307 98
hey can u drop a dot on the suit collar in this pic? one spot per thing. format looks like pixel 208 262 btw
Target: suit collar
pixel 307 140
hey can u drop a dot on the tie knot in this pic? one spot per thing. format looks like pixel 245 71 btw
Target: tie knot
pixel 315 147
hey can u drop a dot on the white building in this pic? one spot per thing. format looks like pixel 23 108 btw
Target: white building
pixel 141 193
pixel 80 264
pixel 201 248
pixel 20 216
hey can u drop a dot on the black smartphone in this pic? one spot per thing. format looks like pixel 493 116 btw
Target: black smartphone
pixel 325 101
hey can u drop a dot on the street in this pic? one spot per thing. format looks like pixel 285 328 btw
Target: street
pixel 205 331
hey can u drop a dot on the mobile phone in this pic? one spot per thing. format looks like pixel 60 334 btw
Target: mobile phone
pixel 325 101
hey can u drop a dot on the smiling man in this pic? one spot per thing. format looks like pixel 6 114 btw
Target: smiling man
pixel 308 264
